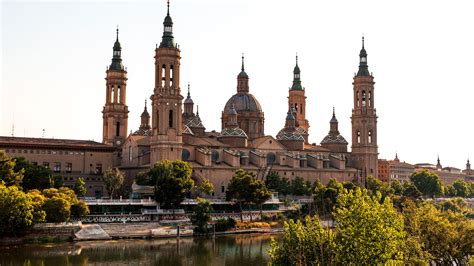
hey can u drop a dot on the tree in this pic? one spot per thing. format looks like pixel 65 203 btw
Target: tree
pixel 446 236
pixel 202 215
pixel 411 191
pixel 113 180
pixel 79 210
pixel 37 200
pixel 427 183
pixel 449 191
pixel 461 188
pixel 273 181
pixel 172 181
pixel 239 189
pixel 80 187
pixel 206 187
pixel 396 187
pixel 369 232
pixel 285 186
pixel 298 187
pixel 57 209
pixel 35 176
pixel 305 243
pixel 16 210
pixel 260 194
pixel 8 174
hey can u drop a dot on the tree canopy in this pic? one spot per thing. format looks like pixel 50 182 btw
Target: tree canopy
pixel 113 179
pixel 427 183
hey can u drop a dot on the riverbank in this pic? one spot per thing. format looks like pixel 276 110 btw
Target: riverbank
pixel 52 233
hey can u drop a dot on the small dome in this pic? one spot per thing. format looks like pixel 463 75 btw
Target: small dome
pixel 334 139
pixel 243 102
pixel 233 132
pixel 142 132
pixel 168 20
pixel 187 130
pixel 188 100
pixel 243 74
pixel 289 134
pixel 194 121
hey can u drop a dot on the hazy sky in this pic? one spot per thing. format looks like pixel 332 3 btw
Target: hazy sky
pixel 54 56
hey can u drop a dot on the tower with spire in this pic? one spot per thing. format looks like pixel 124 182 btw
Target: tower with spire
pixel 167 127
pixel 438 164
pixel 334 141
pixel 297 100
pixel 115 111
pixel 250 115
pixel 364 120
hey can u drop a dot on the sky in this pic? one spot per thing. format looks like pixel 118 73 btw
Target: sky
pixel 54 56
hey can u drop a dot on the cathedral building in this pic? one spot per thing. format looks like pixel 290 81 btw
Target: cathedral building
pixel 177 131
pixel 171 129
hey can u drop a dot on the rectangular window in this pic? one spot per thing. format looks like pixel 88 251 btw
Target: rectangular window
pixel 222 189
pixel 98 168
pixel 46 164
pixel 34 163
pixel 57 167
pixel 68 167
pixel 117 129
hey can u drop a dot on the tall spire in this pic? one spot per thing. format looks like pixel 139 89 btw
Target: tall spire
pixel 333 119
pixel 296 77
pixel 242 79
pixel 363 67
pixel 188 103
pixel 438 165
pixel 334 124
pixel 117 55
pixel 167 39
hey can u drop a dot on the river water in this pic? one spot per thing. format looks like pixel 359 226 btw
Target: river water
pixel 242 250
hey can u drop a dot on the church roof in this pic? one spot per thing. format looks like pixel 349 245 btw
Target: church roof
pixel 142 132
pixel 334 139
pixel 243 102
pixel 194 121
pixel 52 143
pixel 289 134
pixel 233 132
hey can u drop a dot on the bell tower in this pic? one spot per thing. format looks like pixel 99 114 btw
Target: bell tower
pixel 364 121
pixel 166 142
pixel 297 100
pixel 115 111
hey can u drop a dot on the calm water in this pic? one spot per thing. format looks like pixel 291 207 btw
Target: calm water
pixel 246 250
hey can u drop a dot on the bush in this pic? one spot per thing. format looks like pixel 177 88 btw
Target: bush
pixel 79 210
pixel 57 210
pixel 249 225
pixel 223 225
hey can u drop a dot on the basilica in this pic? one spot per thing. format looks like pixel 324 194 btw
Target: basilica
pixel 173 130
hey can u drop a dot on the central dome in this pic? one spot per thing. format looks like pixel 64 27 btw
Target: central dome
pixel 243 102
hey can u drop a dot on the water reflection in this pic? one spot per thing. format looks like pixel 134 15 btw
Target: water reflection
pixel 224 250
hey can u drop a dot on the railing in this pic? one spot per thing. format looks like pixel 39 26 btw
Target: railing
pixel 90 201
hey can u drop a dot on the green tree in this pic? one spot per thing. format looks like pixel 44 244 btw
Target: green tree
pixel 449 191
pixel 273 181
pixel 16 210
pixel 8 174
pixel 80 187
pixel 57 209
pixel 448 237
pixel 113 179
pixel 305 243
pixel 427 183
pixel 260 194
pixel 37 200
pixel 239 189
pixel 369 232
pixel 206 187
pixel 172 181
pixel 462 188
pixel 79 210
pixel 285 186
pixel 35 176
pixel 201 215
pixel 397 187
pixel 298 186
pixel 411 191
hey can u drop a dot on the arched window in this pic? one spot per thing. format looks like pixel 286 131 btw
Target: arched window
pixel 112 91
pixel 157 119
pixel 301 108
pixel 357 98
pixel 185 155
pixel 170 121
pixel 118 94
pixel 370 99
pixel 130 152
pixel 358 136
pixel 163 75
pixel 271 158
pixel 214 156
pixel 117 129
pixel 171 75
pixel 363 98
pixel 370 136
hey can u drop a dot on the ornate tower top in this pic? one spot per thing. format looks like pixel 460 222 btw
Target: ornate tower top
pixel 242 79
pixel 296 77
pixel 438 165
pixel 363 67
pixel 290 119
pixel 188 98
pixel 468 165
pixel 117 56
pixel 145 119
pixel 167 39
